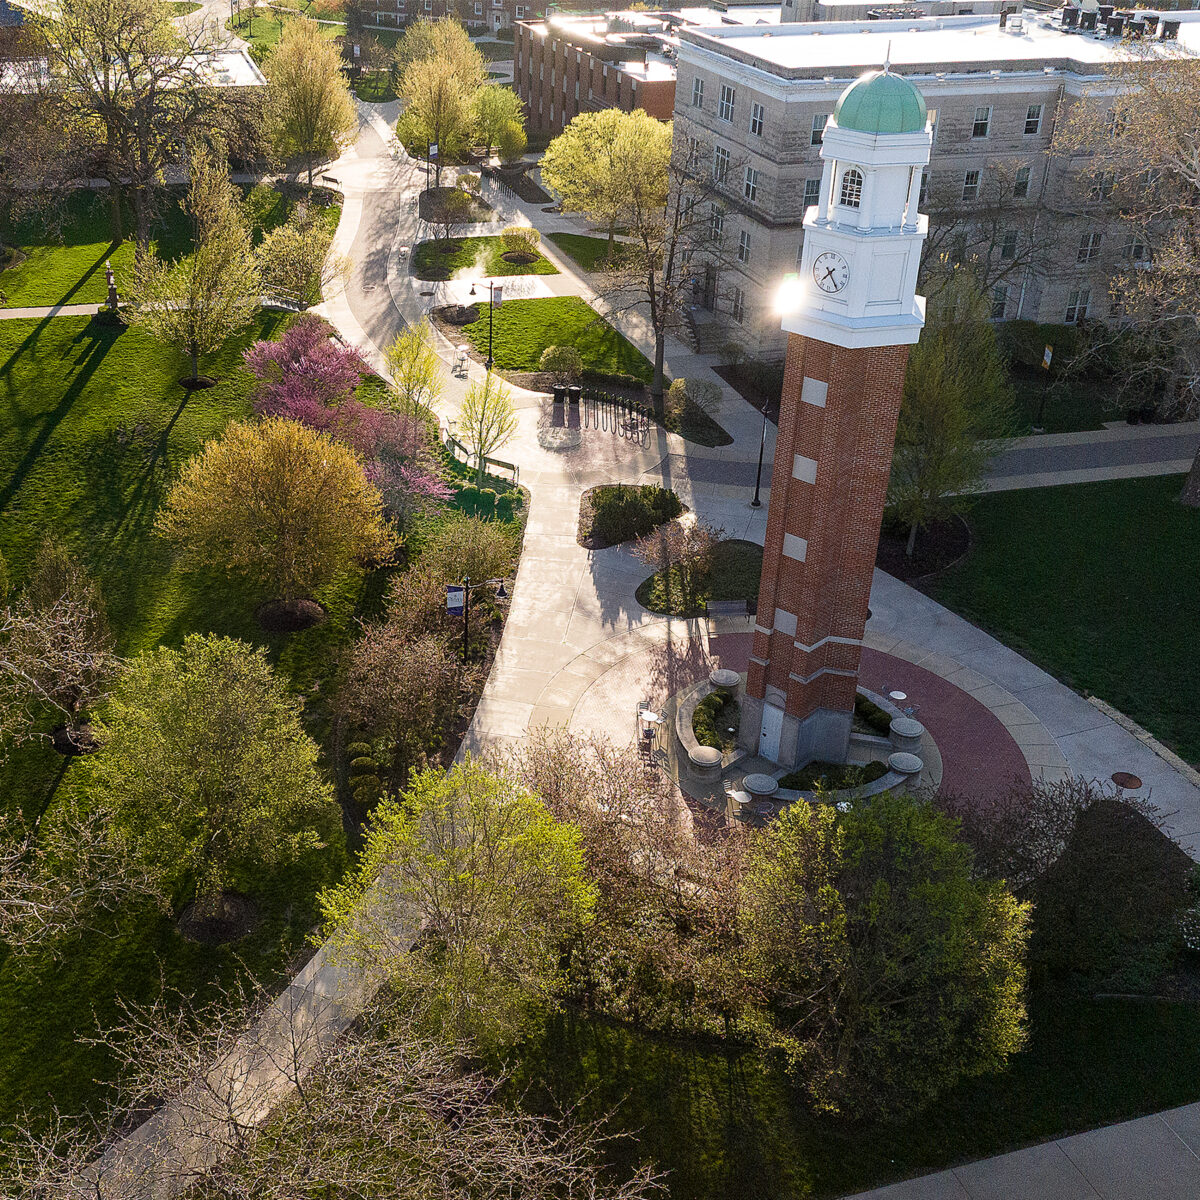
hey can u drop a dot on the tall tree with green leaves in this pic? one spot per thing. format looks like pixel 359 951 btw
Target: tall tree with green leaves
pixel 494 881
pixel 487 420
pixel 206 767
pixel 437 110
pixel 416 373
pixel 444 38
pixel 208 295
pixel 957 404
pixel 311 104
pixel 495 108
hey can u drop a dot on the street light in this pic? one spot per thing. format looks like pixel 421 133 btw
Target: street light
pixel 492 290
pixel 757 502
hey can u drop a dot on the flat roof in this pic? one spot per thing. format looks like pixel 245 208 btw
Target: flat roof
pixel 925 44
pixel 221 68
pixel 653 70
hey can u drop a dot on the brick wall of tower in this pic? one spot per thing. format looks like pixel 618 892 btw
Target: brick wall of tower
pixel 823 521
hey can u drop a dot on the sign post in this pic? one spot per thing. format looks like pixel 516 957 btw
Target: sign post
pixel 1047 358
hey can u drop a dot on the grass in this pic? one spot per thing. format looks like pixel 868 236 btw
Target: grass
pixel 442 258
pixel 734 575
pixel 69 269
pixel 1071 405
pixel 375 87
pixel 493 52
pixel 94 427
pixel 184 8
pixel 524 328
pixel 1096 583
pixel 587 252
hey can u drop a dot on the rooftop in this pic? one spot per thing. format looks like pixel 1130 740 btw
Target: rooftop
pixel 926 45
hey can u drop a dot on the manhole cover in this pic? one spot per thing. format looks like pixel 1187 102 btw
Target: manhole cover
pixel 1123 779
pixel 431 292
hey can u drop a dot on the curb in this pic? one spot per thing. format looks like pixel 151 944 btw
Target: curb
pixel 1148 740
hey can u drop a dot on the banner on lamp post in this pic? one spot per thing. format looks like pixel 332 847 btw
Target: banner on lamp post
pixel 433 150
pixel 497 295
pixel 456 599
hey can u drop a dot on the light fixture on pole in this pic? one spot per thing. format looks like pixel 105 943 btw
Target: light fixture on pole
pixel 762 445
pixel 495 296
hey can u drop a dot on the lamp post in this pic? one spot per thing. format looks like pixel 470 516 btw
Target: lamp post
pixel 491 305
pixel 762 445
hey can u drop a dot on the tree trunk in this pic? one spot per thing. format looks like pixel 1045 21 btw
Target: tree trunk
pixel 1191 485
pixel 656 388
pixel 912 540
pixel 141 217
pixel 195 355
pixel 310 172
pixel 118 219
pixel 612 234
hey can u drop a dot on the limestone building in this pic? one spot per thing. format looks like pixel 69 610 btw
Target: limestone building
pixel 757 101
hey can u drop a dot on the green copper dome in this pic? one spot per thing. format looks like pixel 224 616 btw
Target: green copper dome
pixel 880 102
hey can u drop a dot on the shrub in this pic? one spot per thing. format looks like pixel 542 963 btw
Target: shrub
pixel 465 545
pixel 715 714
pixel 511 141
pixel 565 363
pixel 469 183
pixel 833 776
pixel 505 504
pixel 358 750
pixel 363 765
pixel 621 511
pixel 520 239
pixel 871 714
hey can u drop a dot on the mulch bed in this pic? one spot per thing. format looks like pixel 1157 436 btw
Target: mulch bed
pixel 235 917
pixel 282 616
pixel 938 546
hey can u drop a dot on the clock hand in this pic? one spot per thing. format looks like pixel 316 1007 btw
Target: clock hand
pixel 829 273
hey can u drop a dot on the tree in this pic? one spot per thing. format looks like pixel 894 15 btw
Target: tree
pixel 446 39
pixel 957 404
pixel 294 259
pixel 1134 146
pixel 893 973
pixel 213 292
pixel 275 502
pixel 565 363
pixel 487 421
pixel 413 708
pixel 496 883
pixel 692 393
pixel 448 209
pixel 132 87
pixel 206 767
pixel 416 373
pixel 511 141
pixel 312 107
pixel 682 552
pixel 56 653
pixel 495 108
pixel 58 878
pixel 463 545
pixel 437 110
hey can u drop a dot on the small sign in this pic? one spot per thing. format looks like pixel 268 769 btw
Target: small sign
pixel 497 295
pixel 433 150
pixel 357 50
pixel 456 599
pixel 1047 356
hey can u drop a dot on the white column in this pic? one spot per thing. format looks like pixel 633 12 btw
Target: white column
pixel 827 185
pixel 914 198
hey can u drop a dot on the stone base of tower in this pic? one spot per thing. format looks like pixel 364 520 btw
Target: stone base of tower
pixel 823 735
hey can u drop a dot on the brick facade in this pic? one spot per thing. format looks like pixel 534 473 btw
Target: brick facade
pixel 479 16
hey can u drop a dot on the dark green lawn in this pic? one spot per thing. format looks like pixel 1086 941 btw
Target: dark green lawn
pixel 1097 584
pixel 734 575
pixel 93 425
pixel 1070 406
pixel 524 328
pixel 67 266
pixel 442 258
pixel 588 252
pixel 375 87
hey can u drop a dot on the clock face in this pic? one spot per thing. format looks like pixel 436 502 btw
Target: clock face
pixel 831 271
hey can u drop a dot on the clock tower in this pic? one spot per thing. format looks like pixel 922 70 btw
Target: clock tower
pixel 853 312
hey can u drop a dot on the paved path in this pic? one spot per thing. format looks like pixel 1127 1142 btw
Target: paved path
pixel 53 310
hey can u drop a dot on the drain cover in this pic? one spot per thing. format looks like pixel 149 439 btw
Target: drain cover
pixel 1123 779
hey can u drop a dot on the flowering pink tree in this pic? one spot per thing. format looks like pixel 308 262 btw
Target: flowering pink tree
pixel 407 490
pixel 305 361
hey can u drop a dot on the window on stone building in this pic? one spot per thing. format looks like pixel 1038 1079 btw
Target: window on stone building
pixel 693 149
pixel 818 128
pixel 1033 119
pixel 852 184
pixel 720 164
pixel 697 92
pixel 756 119
pixel 716 222
pixel 1077 305
pixel 1135 248
pixel 999 302
pixel 737 307
pixel 750 185
pixel 1021 183
pixel 725 104
pixel 743 247
pixel 983 120
pixel 970 189
pixel 1089 248
pixel 1008 244
pixel 812 192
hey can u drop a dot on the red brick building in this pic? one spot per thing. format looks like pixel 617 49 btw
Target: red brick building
pixel 479 16
pixel 573 64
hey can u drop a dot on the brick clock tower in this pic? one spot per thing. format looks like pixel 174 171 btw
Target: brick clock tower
pixel 851 315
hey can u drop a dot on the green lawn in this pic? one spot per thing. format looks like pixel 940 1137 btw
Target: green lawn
pixel 587 252
pixel 1072 405
pixel 1097 584
pixel 69 268
pixel 734 575
pixel 524 328
pixel 442 258
pixel 94 426
pixel 184 8
pixel 375 87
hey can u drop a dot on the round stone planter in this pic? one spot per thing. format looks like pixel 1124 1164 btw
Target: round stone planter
pixel 761 787
pixel 905 735
pixel 724 680
pixel 705 762
pixel 908 765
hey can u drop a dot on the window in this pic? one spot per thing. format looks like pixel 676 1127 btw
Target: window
pixel 750 186
pixel 725 104
pixel 720 164
pixel 970 185
pixel 924 186
pixel 1103 185
pixel 999 302
pixel 520 11
pixel 756 119
pixel 1089 248
pixel 812 192
pixel 1008 245
pixel 743 247
pixel 1077 305
pixel 1021 183
pixel 851 193
pixel 737 307
pixel 693 151
pixel 1033 119
pixel 983 118
pixel 1135 248
pixel 818 128
pixel 697 92
pixel 716 223
pixel 479 10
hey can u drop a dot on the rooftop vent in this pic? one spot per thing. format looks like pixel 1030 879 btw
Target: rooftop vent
pixel 1087 22
pixel 1170 31
pixel 1115 26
